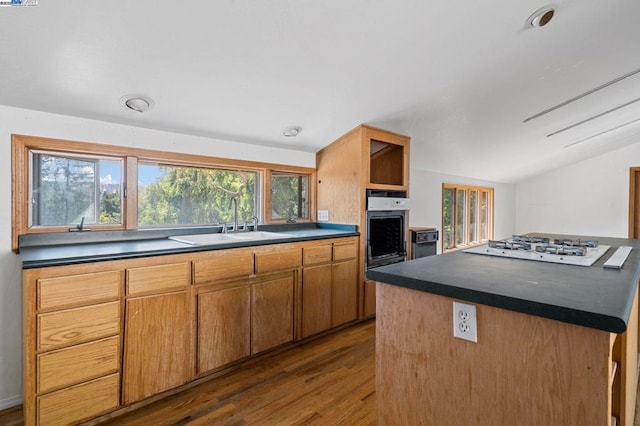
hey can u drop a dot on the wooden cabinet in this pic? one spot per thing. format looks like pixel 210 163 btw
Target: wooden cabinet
pixel 72 358
pixel 364 158
pixel 239 318
pixel 156 345
pixel 344 292
pixel 316 299
pixel 272 312
pixel 157 332
pixel 224 325
pixel 104 335
pixel 329 290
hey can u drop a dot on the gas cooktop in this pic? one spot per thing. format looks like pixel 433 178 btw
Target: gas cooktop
pixel 559 250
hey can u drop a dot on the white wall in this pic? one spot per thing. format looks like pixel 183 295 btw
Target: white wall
pixel 20 121
pixel 426 201
pixel 587 198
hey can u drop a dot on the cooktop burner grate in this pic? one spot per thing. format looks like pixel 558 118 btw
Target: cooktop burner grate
pixel 561 250
pixel 558 250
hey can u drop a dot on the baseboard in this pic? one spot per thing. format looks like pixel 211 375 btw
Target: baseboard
pixel 10 402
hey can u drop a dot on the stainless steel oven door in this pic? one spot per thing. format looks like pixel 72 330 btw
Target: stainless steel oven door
pixel 386 242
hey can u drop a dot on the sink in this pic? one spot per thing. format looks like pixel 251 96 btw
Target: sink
pixel 258 235
pixel 203 239
pixel 218 238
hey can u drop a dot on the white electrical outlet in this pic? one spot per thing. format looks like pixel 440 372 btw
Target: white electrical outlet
pixel 323 215
pixel 465 325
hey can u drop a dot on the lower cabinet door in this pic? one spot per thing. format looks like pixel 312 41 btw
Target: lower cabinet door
pixel 316 299
pixel 80 402
pixel 157 354
pixel 224 326
pixel 344 292
pixel 272 313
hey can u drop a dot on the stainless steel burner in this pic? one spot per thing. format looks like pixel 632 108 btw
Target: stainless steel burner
pixel 509 245
pixel 575 243
pixel 530 239
pixel 561 250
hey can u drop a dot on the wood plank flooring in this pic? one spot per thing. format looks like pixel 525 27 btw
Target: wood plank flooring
pixel 330 381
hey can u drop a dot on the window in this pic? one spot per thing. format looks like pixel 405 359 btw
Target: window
pixel 467 216
pixel 59 184
pixel 68 189
pixel 179 195
pixel 289 196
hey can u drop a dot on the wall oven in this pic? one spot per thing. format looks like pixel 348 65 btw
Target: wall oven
pixel 386 227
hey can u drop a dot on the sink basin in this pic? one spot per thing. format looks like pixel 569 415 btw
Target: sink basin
pixel 217 238
pixel 258 235
pixel 203 239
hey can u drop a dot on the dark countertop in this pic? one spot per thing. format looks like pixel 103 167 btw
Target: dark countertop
pixel 48 250
pixel 592 296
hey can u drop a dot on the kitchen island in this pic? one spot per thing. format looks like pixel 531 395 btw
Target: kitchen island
pixel 556 344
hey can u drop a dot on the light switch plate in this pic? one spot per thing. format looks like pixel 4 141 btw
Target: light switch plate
pixel 323 215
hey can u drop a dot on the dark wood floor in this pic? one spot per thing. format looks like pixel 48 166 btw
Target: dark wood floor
pixel 330 381
pixel 327 382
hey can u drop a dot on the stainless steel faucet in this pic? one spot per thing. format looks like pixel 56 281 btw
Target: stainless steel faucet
pixel 255 222
pixel 234 200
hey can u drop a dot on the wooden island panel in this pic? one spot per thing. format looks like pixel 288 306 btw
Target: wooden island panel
pixel 524 370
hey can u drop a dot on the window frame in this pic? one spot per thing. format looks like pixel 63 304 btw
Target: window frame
pixel 21 170
pixel 79 157
pixel 468 189
pixel 267 195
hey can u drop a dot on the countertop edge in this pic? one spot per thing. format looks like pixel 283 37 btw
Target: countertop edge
pixel 577 317
pixel 41 263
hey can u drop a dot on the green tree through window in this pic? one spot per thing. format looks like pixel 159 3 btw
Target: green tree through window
pixel 194 196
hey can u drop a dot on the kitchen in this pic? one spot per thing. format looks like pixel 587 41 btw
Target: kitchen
pixel 532 179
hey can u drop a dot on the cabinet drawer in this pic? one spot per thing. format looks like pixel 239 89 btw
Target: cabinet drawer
pixel 64 328
pixel 345 251
pixel 223 265
pixel 278 260
pixel 160 278
pixel 77 364
pixel 78 289
pixel 316 255
pixel 79 402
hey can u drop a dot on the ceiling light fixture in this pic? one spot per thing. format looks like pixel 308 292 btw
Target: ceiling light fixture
pixel 541 17
pixel 137 103
pixel 292 132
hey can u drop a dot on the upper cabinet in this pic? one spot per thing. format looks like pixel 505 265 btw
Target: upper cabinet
pixel 364 158
pixel 386 159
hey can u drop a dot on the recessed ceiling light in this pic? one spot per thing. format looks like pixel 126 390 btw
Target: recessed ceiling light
pixel 137 103
pixel 292 131
pixel 541 17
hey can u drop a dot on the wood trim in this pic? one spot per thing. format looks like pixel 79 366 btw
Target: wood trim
pixel 168 157
pixel 634 172
pixel 467 189
pixel 21 144
pixel 130 204
pixel 268 174
pixel 19 190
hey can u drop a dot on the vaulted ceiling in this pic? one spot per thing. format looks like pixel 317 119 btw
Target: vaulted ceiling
pixel 460 78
